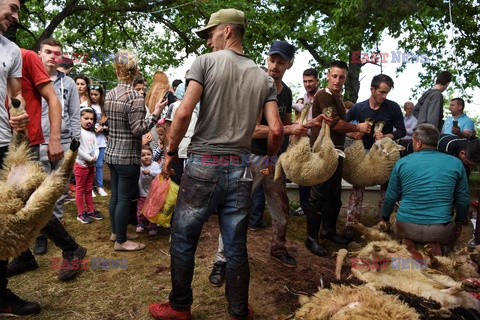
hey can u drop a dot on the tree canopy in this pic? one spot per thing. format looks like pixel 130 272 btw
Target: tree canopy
pixel 161 32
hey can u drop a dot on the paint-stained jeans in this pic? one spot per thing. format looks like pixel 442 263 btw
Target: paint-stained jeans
pixel 355 201
pixel 205 189
pixel 277 201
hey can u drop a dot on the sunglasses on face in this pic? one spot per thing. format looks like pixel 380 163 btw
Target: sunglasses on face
pixel 94 87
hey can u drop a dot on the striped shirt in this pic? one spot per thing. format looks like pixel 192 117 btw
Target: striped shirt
pixel 125 110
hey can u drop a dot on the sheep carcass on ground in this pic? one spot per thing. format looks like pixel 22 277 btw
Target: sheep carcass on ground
pixel 27 194
pixel 388 263
pixel 357 302
pixel 363 169
pixel 309 166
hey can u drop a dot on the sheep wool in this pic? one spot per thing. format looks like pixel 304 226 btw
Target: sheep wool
pixel 356 302
pixel 306 166
pixel 389 264
pixel 363 169
pixel 28 195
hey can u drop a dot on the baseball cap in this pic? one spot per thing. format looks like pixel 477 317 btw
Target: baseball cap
pixel 223 16
pixel 283 48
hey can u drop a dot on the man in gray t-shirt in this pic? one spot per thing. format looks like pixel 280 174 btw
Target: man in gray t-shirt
pixel 232 91
pixel 11 78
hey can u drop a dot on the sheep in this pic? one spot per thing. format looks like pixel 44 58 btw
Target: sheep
pixel 309 166
pixel 366 169
pixel 387 263
pixel 27 194
pixel 356 302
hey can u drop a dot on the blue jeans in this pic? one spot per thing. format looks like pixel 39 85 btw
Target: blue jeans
pixel 99 168
pixel 124 187
pixel 258 207
pixel 205 189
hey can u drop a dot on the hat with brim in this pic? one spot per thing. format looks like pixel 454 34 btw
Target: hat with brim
pixel 223 16
pixel 282 48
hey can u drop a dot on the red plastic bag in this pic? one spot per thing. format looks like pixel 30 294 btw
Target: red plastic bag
pixel 156 197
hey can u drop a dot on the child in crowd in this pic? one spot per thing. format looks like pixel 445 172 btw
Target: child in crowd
pixel 148 171
pixel 158 153
pixel 84 168
pixel 97 96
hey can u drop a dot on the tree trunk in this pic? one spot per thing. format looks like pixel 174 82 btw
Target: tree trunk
pixel 352 85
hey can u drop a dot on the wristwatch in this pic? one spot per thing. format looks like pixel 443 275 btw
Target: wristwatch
pixel 171 153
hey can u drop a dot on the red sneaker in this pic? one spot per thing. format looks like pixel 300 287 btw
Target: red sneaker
pixel 165 312
pixel 71 187
pixel 250 314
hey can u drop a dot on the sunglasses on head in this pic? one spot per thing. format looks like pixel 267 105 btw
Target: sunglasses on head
pixel 94 87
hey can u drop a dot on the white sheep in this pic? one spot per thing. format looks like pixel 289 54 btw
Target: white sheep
pixel 357 302
pixel 28 195
pixel 388 263
pixel 309 166
pixel 363 169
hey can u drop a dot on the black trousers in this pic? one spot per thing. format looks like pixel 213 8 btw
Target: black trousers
pixel 326 199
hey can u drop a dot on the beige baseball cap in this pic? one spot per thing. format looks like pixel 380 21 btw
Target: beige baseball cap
pixel 223 16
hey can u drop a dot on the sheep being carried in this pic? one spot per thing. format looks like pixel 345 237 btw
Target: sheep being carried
pixel 27 194
pixel 309 166
pixel 363 169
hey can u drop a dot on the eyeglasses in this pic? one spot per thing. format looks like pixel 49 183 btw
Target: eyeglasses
pixel 94 87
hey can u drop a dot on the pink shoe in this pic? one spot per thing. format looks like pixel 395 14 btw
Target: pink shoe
pixel 153 232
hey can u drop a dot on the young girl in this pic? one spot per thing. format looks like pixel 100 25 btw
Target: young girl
pixel 148 171
pixel 84 168
pixel 97 97
pixel 158 152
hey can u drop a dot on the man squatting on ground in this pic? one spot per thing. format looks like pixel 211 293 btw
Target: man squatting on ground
pixel 425 182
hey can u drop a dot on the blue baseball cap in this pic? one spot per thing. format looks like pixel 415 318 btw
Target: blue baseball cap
pixel 282 48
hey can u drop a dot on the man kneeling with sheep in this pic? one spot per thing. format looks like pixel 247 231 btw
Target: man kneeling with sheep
pixel 428 183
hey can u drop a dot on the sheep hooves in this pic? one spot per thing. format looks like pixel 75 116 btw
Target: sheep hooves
pixel 342 253
pixel 75 144
pixel 470 286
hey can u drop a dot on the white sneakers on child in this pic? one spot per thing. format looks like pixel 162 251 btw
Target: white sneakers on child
pixel 102 192
pixel 93 194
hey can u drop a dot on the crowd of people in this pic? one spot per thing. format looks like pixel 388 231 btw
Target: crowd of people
pixel 229 108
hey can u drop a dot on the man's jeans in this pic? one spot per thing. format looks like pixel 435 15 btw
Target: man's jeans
pixel 258 207
pixel 204 189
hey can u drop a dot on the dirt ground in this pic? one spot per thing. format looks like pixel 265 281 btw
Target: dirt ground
pixel 113 293
pixel 126 293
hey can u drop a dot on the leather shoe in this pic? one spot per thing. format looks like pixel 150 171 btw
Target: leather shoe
pixel 335 237
pixel 315 247
pixel 19 266
pixel 285 258
pixel 217 276
pixel 40 246
pixel 250 314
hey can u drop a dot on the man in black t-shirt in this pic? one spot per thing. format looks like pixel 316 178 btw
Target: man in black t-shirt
pixel 468 151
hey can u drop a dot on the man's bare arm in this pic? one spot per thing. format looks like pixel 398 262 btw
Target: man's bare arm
pixel 275 133
pixel 180 123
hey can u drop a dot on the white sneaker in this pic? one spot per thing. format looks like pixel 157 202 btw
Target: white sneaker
pixel 102 192
pixel 93 194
